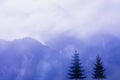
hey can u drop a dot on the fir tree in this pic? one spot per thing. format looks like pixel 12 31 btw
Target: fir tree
pixel 76 70
pixel 99 70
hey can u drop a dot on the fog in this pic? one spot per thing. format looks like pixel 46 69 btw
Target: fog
pixel 45 19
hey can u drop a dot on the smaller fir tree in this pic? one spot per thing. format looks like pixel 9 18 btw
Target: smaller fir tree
pixel 76 70
pixel 99 70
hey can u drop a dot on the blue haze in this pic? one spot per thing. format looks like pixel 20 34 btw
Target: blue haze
pixel 28 59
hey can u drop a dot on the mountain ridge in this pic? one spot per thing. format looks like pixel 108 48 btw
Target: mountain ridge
pixel 43 62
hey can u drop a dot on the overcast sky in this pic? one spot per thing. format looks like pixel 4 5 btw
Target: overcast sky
pixel 44 19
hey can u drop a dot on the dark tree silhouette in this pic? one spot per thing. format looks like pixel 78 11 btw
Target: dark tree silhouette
pixel 76 70
pixel 99 70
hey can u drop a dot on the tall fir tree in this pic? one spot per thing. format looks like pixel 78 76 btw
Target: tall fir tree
pixel 99 69
pixel 76 69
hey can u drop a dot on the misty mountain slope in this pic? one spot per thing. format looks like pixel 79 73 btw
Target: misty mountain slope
pixel 107 46
pixel 28 59
pixel 21 58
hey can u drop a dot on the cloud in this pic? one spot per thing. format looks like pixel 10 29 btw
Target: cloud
pixel 44 19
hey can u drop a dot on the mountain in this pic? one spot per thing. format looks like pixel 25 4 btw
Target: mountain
pixel 28 59
pixel 105 45
pixel 21 59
